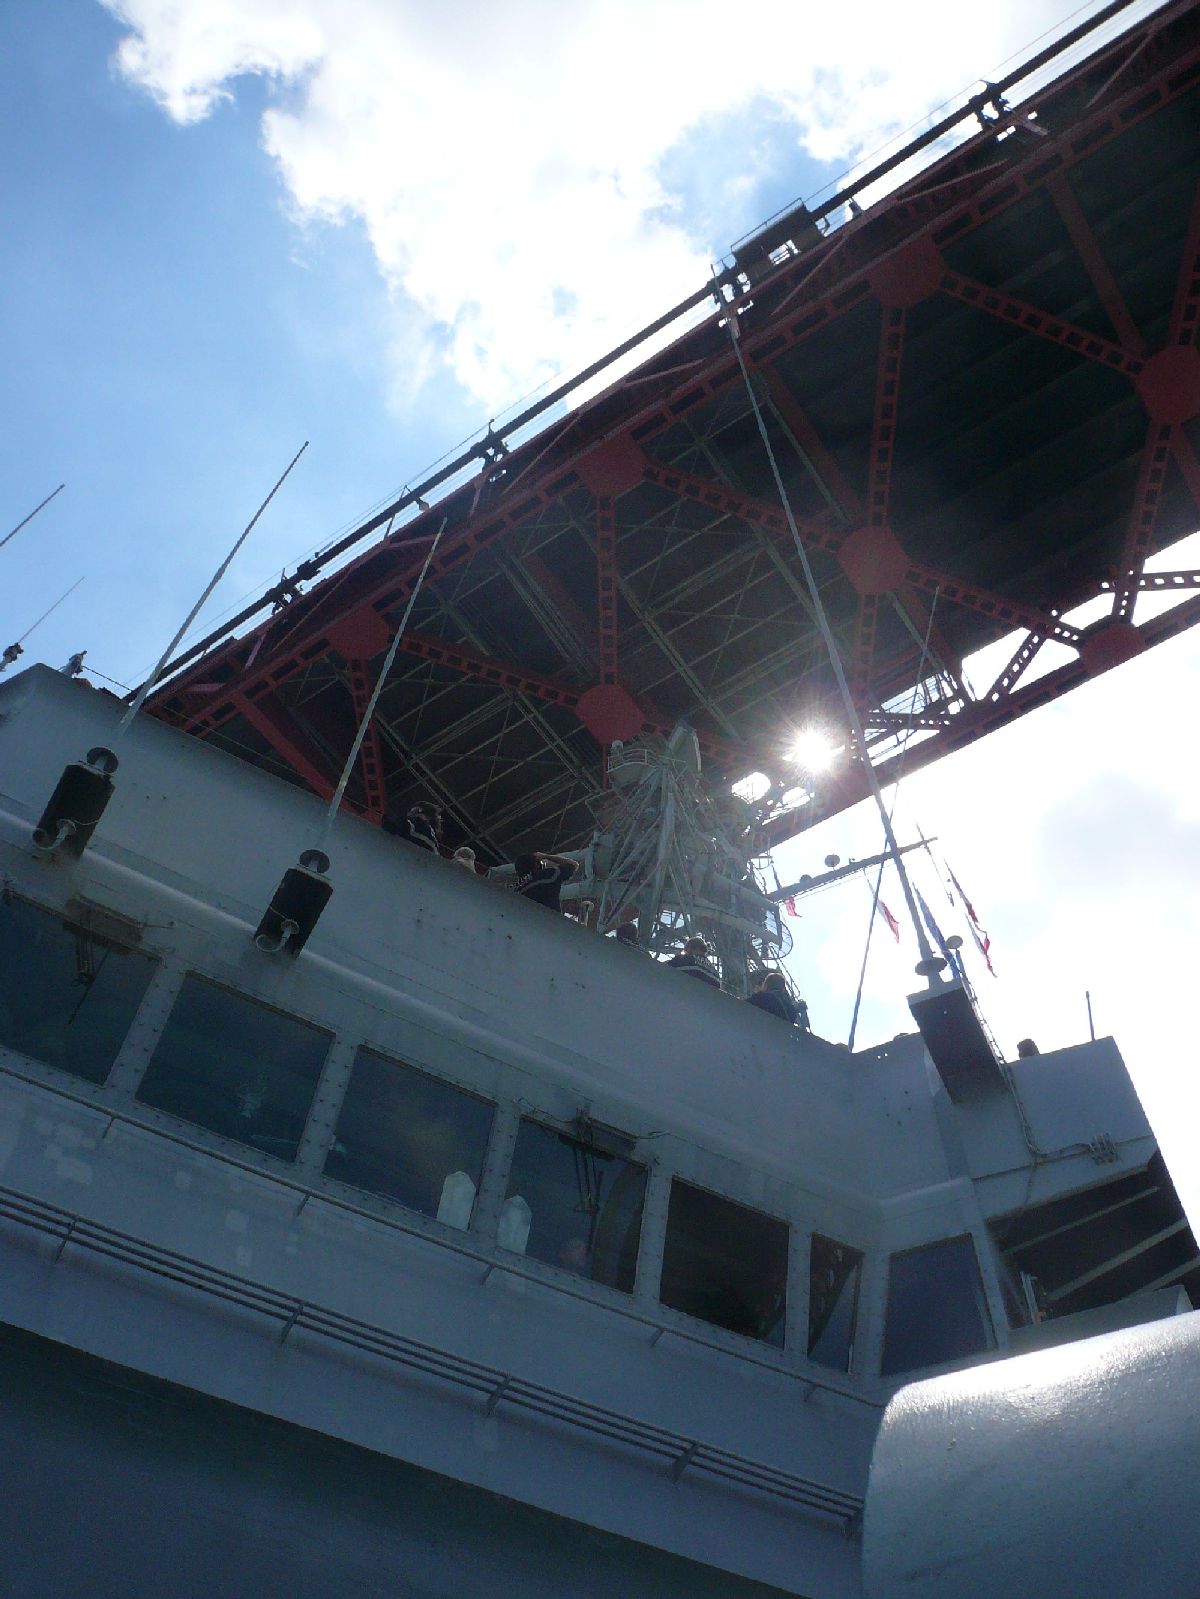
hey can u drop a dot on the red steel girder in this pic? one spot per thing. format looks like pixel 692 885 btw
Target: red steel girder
pixel 865 624
pixel 487 669
pixel 1022 657
pixel 370 759
pixel 554 691
pixel 1159 582
pixel 1185 313
pixel 1010 613
pixel 1139 534
pixel 287 739
pixel 823 463
pixel 1164 430
pixel 1044 324
pixel 883 426
pixel 606 586
pixel 1087 247
pixel 758 513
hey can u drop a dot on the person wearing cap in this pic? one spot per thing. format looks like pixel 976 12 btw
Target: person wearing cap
pixel 693 960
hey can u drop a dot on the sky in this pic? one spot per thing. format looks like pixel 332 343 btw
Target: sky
pixel 236 225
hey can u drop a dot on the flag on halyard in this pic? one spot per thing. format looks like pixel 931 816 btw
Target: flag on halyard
pixel 978 932
pixel 791 906
pixel 893 924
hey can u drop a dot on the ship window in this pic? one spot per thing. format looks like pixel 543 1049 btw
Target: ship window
pixel 936 1308
pixel 575 1202
pixel 834 1276
pixel 725 1263
pixel 412 1138
pixel 236 1067
pixel 67 997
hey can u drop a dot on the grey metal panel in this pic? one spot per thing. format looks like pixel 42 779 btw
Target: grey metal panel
pixel 120 1487
pixel 1073 1471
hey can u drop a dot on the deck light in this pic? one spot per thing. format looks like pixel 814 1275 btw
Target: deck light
pixel 77 804
pixel 296 905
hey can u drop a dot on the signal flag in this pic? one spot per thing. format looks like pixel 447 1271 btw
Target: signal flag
pixel 982 942
pixel 893 924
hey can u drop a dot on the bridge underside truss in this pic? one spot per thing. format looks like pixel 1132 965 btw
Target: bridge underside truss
pixel 984 395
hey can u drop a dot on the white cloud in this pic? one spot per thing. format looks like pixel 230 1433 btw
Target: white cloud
pixel 506 160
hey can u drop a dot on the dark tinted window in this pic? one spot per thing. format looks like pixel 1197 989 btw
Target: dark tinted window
pixel 411 1137
pixel 66 997
pixel 584 1205
pixel 936 1309
pixel 834 1274
pixel 230 1064
pixel 725 1263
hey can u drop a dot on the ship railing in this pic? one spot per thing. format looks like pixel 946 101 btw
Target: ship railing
pixel 493 1386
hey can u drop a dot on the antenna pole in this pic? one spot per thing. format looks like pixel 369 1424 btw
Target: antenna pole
pixel 31 516
pixel 1087 994
pixel 140 696
pixel 8 656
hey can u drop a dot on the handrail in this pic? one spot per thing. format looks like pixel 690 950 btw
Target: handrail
pixel 501 1261
pixel 496 1387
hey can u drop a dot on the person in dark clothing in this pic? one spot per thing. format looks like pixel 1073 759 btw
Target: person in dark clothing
pixel 772 996
pixel 693 959
pixel 627 933
pixel 420 825
pixel 541 878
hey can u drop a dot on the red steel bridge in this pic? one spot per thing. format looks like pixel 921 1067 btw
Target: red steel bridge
pixel 983 391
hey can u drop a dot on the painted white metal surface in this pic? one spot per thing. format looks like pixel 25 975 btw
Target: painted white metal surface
pixel 1074 1471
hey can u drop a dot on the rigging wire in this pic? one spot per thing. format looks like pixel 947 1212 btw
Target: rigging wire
pixel 862 976
pixel 929 964
pixel 339 791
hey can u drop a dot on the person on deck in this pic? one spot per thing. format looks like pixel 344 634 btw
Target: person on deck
pixel 421 825
pixel 693 959
pixel 772 996
pixel 541 878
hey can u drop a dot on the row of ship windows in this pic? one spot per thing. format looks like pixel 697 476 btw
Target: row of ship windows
pixel 249 1073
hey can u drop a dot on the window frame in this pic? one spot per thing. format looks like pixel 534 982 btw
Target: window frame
pixel 75 924
pixel 613 1144
pixel 223 985
pixel 859 1319
pixel 785 1352
pixel 955 1362
pixel 358 1045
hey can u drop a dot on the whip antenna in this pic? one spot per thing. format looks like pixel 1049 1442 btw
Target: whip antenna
pixel 31 516
pixel 9 655
pixel 140 696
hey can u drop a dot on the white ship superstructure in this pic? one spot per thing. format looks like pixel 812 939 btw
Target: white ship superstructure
pixel 469 1251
